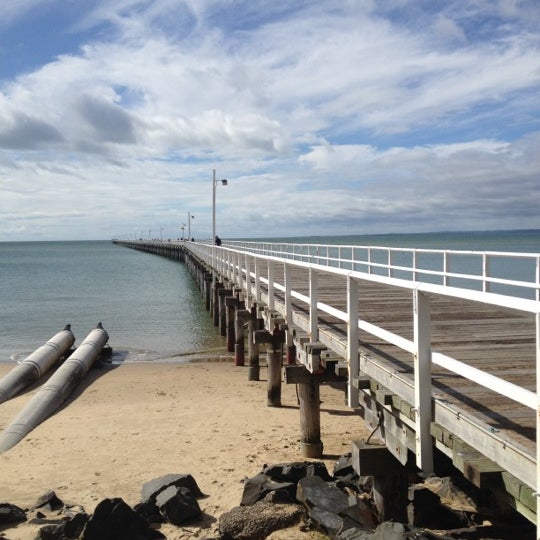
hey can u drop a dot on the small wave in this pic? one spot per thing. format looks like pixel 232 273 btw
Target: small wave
pixel 122 356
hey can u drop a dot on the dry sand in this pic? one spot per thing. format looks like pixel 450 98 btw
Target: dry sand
pixel 129 424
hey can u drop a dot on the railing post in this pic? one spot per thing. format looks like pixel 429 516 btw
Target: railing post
pixel 257 280
pixel 389 262
pixel 248 275
pixel 352 340
pixel 414 262
pixel 485 272
pixel 422 381
pixel 537 425
pixel 313 299
pixel 270 285
pixel 537 295
pixel 369 260
pixel 445 269
pixel 234 271
pixel 291 352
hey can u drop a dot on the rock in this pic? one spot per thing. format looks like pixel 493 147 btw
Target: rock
pixel 326 520
pixel 49 501
pixel 75 525
pixel 258 521
pixel 51 532
pixel 452 493
pixel 9 513
pixel 345 474
pixel 113 519
pixel 426 510
pixel 360 514
pixel 314 492
pixel 151 489
pixel 150 512
pixel 292 472
pixel 178 505
pixel 260 486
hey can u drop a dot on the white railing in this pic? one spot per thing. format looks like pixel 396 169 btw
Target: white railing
pixel 238 264
pixel 508 273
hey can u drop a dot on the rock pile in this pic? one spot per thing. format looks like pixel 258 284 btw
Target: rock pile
pixel 301 494
pixel 171 498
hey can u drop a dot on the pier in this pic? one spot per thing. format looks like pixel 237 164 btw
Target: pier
pixel 442 364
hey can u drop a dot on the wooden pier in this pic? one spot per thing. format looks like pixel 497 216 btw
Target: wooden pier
pixel 445 376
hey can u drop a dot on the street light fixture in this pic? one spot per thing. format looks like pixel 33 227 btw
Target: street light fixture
pixel 224 182
pixel 189 218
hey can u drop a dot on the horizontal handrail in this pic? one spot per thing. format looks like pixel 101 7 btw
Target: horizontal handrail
pixel 371 258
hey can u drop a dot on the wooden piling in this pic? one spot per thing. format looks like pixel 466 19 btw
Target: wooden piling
pixel 310 418
pixel 253 347
pixel 231 304
pixel 215 302
pixel 241 317
pixel 223 294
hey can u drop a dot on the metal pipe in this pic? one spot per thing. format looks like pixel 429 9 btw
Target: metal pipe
pixel 56 390
pixel 36 364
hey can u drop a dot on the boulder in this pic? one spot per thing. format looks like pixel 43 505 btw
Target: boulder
pixel 49 501
pixel 259 487
pixel 295 471
pixel 426 510
pixel 9 513
pixel 315 492
pixel 258 521
pixel 178 505
pixel 151 489
pixel 113 519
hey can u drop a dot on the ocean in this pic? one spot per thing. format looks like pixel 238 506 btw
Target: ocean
pixel 149 305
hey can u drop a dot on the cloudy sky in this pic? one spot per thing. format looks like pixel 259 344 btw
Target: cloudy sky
pixel 348 117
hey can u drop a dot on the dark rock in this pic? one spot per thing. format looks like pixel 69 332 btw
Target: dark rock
pixel 360 513
pixel 151 489
pixel 50 501
pixel 150 512
pixel 345 475
pixel 454 492
pixel 326 520
pixel 258 487
pixel 9 513
pixel 51 532
pixel 113 519
pixel 293 472
pixel 75 525
pixel 178 505
pixel 389 530
pixel 426 510
pixel 258 521
pixel 343 466
pixel 315 492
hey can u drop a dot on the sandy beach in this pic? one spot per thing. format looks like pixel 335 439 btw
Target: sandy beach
pixel 131 423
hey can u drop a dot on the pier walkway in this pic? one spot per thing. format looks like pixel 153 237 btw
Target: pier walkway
pixel 440 350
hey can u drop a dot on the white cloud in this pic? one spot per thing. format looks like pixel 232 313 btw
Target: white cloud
pixel 409 122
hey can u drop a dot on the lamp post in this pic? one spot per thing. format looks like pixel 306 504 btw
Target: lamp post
pixel 214 185
pixel 189 218
pixel 182 227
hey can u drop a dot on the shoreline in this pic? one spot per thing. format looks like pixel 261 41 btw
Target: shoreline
pixel 127 424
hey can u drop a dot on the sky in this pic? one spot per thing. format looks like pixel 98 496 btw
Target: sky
pixel 326 118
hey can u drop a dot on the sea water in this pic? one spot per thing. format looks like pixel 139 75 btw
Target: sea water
pixel 148 304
